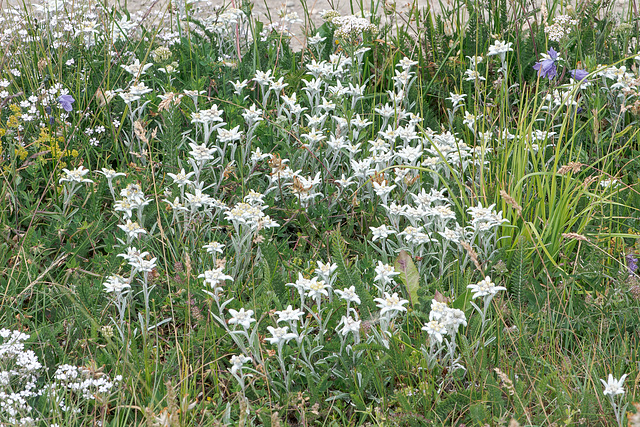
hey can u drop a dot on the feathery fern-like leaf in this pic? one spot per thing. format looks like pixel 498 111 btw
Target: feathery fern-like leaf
pixel 345 275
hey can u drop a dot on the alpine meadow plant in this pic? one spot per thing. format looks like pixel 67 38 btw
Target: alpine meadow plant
pixel 370 215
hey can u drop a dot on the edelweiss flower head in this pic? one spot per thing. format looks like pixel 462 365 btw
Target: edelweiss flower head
pixel 280 335
pixel 317 39
pixel 237 362
pixel 381 232
pixel 316 288
pixel 132 229
pixel 326 270
pixel 485 287
pixel 391 304
pixel 143 265
pixel 435 329
pixel 116 284
pixel 613 387
pixel 349 324
pixel 385 273
pixel 438 310
pixel 289 314
pixel 349 294
pixel 75 175
pixel 214 247
pixel 110 174
pixel 499 47
pixel 456 99
pixel 213 277
pixel 181 178
pixel 136 68
pixel 242 317
pixel 406 63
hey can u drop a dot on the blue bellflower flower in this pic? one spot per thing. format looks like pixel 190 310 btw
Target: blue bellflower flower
pixel 65 102
pixel 547 67
pixel 579 74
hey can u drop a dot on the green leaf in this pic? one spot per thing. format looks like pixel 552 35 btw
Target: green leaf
pixel 408 275
pixel 339 253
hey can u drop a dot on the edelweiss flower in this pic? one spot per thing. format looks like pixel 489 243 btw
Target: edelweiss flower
pixel 485 287
pixel 75 175
pixel 143 265
pixel 613 387
pixel 435 330
pixel 116 284
pixel 349 325
pixel 317 288
pixel 239 85
pixel 263 78
pixel 456 99
pixel 213 277
pixel 214 247
pixel 349 294
pixel 289 314
pixel 237 362
pixel 110 174
pixel 438 310
pixel 326 270
pixel 136 68
pixel 501 48
pixel 229 135
pixel 317 39
pixel 391 304
pixel 385 273
pixel 280 335
pixel 181 178
pixel 132 229
pixel 472 76
pixel 406 63
pixel 381 232
pixel 242 317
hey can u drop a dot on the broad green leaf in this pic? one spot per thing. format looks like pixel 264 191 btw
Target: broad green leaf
pixel 408 275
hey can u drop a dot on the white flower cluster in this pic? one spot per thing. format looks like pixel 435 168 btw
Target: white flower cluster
pixel 472 74
pixel 624 81
pixel 442 329
pixel 500 48
pixel 250 215
pixel 559 98
pixel 352 26
pixel 443 320
pixel 314 288
pixel 561 28
pixel 484 219
pixel 448 147
pixel 133 199
pixel 117 285
pixel 283 26
pixel 322 71
pixel 224 23
pixel 19 372
pixel 83 381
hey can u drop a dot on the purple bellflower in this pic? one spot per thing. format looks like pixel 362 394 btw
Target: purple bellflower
pixel 65 102
pixel 548 66
pixel 632 263
pixel 579 74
